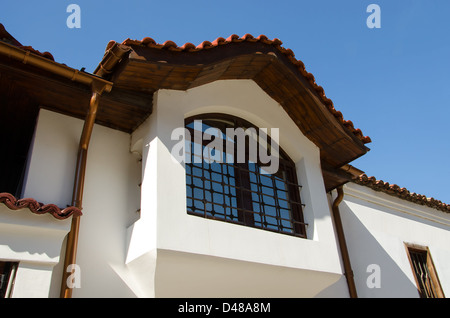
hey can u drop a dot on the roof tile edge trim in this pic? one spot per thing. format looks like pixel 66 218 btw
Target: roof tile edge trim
pixel 45 54
pixel 402 193
pixel 5 36
pixel 38 208
pixel 205 45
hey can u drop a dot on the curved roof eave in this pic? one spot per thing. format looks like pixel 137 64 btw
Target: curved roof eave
pixel 151 66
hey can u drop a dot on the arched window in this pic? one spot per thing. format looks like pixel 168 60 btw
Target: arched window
pixel 226 180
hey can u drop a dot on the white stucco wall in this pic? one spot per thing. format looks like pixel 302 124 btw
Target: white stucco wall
pixel 176 237
pixel 34 241
pixel 377 226
pixel 110 203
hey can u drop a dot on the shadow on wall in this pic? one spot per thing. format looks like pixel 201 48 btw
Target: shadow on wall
pixel 376 273
pixel 336 290
pixel 25 235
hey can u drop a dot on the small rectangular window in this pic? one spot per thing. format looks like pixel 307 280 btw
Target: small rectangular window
pixel 7 275
pixel 424 272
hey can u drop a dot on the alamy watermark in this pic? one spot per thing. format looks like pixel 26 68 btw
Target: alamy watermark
pixel 74 279
pixel 374 19
pixel 374 279
pixel 257 149
pixel 74 19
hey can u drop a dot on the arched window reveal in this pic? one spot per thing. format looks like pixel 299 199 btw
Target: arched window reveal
pixel 236 173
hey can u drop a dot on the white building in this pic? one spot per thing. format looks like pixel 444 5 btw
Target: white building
pixel 152 226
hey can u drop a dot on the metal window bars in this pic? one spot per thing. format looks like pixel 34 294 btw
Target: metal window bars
pixel 427 286
pixel 240 193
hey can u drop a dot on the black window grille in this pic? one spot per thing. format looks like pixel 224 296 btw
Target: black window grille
pixel 239 191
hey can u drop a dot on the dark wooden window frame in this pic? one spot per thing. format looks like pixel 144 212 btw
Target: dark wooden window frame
pixel 425 275
pixel 245 187
pixel 7 276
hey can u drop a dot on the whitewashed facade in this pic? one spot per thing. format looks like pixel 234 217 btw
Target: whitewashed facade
pixel 136 239
pixel 140 242
pixel 378 227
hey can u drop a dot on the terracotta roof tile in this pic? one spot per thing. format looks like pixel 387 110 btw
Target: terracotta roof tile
pixel 189 47
pixel 8 38
pixel 38 208
pixel 402 193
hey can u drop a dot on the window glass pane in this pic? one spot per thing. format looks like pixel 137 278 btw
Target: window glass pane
pixel 237 191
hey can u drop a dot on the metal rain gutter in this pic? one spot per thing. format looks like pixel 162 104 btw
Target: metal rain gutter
pixel 98 85
pixel 348 272
pixel 77 198
pixel 26 57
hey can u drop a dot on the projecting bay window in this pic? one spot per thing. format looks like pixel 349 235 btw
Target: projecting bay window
pixel 233 184
pixel 425 274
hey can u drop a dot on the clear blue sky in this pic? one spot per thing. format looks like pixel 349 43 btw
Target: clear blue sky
pixel 392 82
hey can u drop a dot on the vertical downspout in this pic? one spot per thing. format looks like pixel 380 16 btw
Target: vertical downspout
pixel 77 198
pixel 113 56
pixel 348 272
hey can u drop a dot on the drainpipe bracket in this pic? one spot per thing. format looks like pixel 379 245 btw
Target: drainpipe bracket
pixel 101 87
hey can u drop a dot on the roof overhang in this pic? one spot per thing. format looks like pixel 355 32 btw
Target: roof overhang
pixel 60 88
pixel 151 66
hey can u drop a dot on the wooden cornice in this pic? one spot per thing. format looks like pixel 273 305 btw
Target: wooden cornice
pixel 150 66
